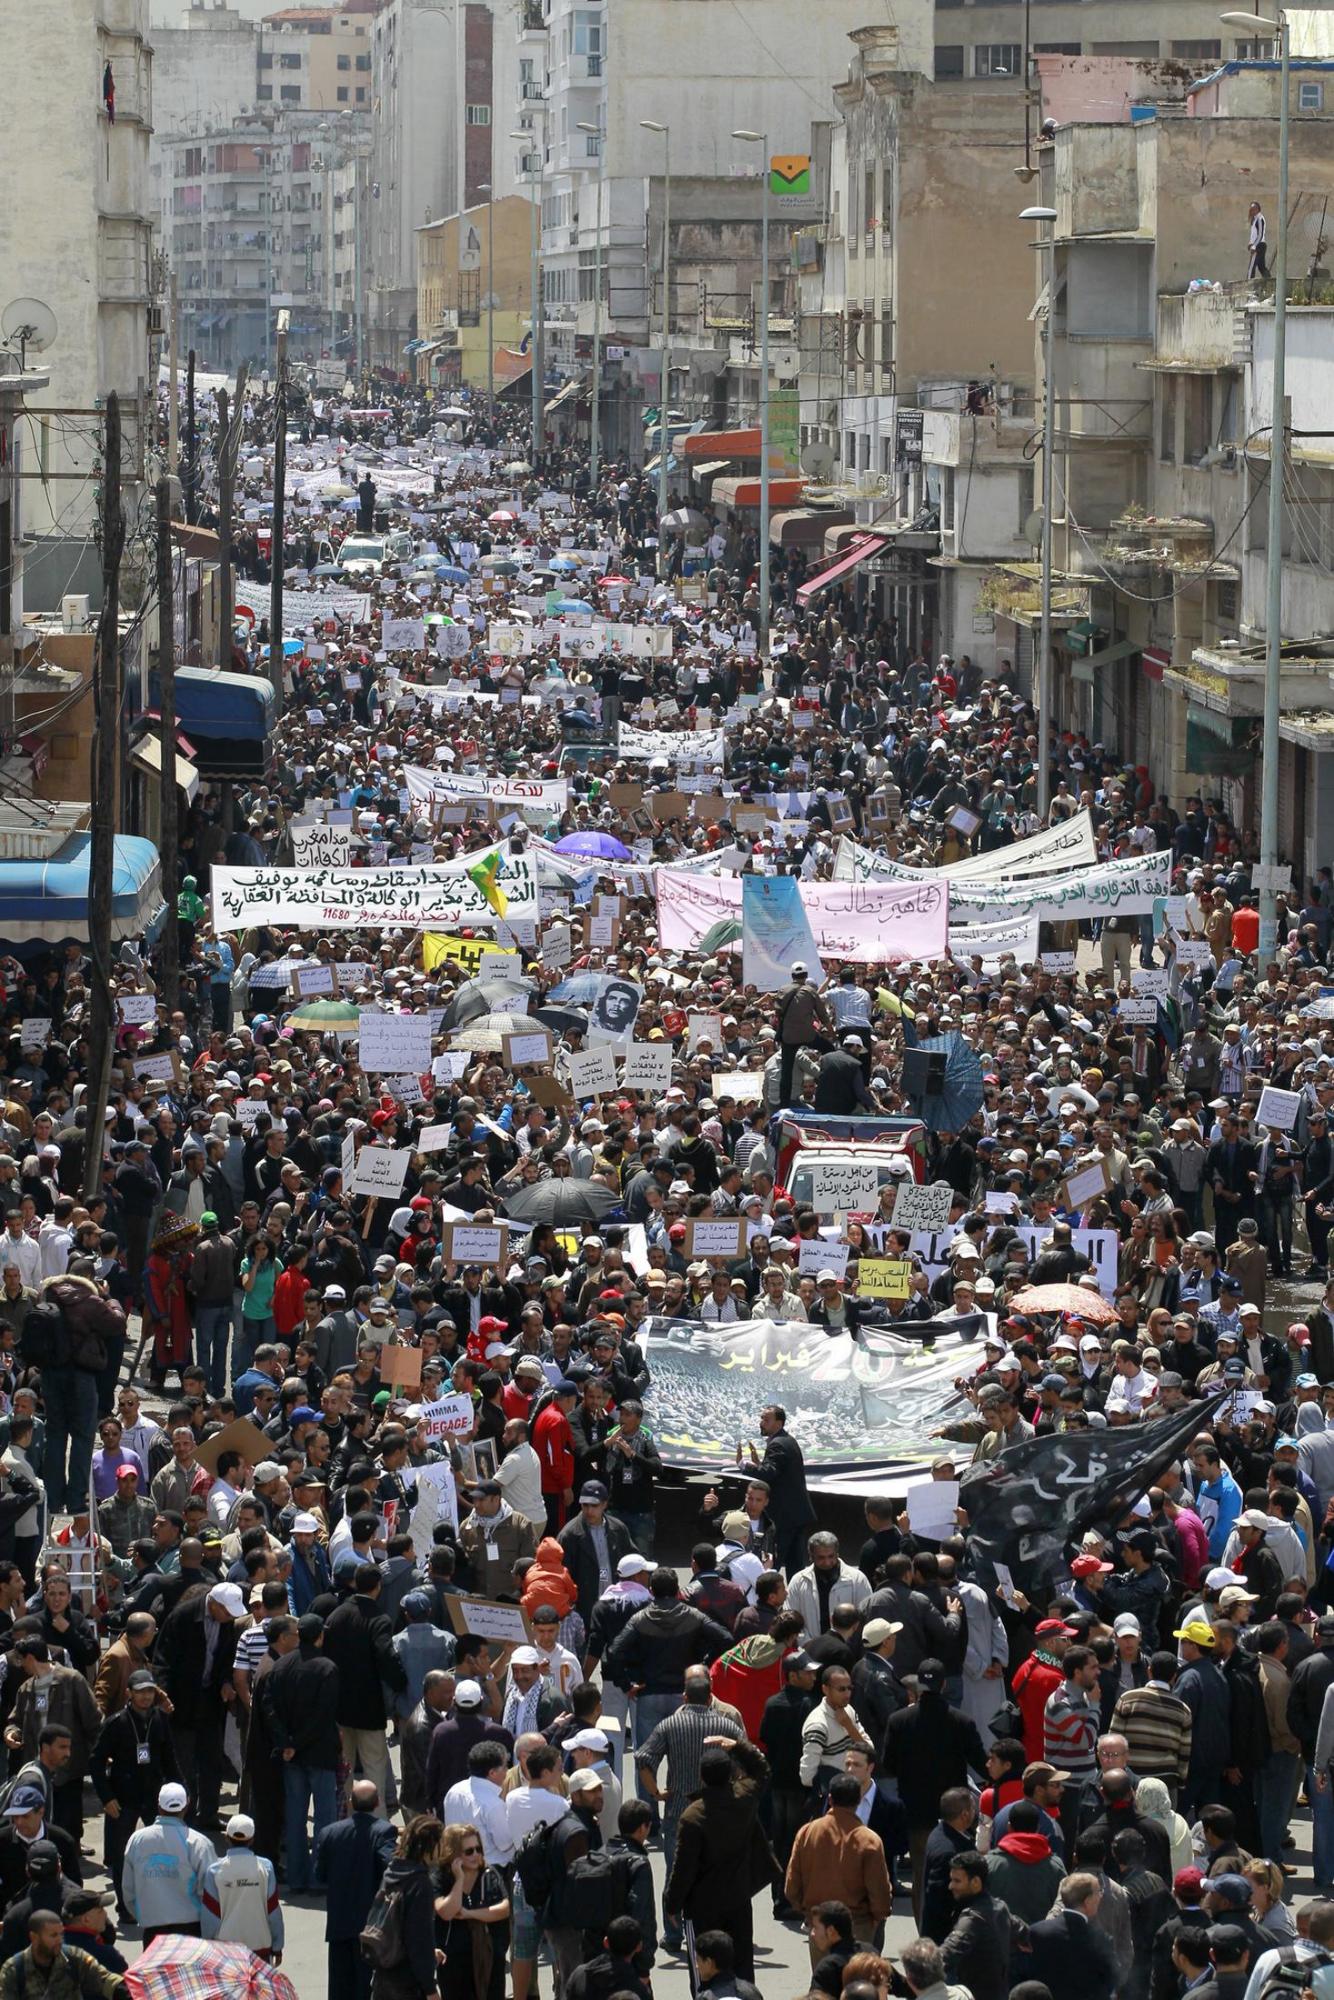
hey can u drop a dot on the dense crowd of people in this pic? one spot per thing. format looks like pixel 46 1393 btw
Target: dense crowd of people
pixel 336 1566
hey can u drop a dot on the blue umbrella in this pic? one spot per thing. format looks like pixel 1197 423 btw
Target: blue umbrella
pixel 447 573
pixel 581 989
pixel 327 569
pixel 564 563
pixel 601 847
pixel 961 1095
pixel 572 604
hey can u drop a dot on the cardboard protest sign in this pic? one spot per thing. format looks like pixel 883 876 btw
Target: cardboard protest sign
pixel 840 1185
pixel 393 1044
pixel 715 1236
pixel 473 1243
pixel 239 1435
pixel 400 1366
pixel 922 1207
pixel 379 1171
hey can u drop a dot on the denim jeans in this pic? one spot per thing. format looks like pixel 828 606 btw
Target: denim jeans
pixel 213 1325
pixel 1275 1796
pixel 650 1709
pixel 673 1932
pixel 70 1396
pixel 254 1333
pixel 303 1783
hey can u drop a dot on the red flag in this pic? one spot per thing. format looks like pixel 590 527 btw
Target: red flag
pixel 109 93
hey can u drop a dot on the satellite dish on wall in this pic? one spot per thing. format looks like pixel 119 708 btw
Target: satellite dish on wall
pixel 817 459
pixel 27 323
pixel 1033 528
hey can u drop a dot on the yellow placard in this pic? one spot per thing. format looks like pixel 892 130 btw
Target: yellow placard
pixel 884 1278
pixel 466 952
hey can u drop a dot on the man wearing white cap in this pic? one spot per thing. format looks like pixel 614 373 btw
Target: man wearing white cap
pixel 531 1701
pixel 165 1869
pixel 240 1895
pixel 590 1750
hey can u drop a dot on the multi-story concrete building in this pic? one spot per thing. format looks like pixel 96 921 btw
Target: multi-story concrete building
pixel 983 40
pixel 76 233
pixel 458 268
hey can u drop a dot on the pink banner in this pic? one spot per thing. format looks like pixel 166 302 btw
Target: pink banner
pixel 866 923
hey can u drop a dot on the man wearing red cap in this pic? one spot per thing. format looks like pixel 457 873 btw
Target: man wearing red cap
pixel 1039 1676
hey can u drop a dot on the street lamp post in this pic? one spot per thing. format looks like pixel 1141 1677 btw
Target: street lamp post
pixel 1268 938
pixel 488 190
pixel 652 125
pixel 1044 702
pixel 595 411
pixel 761 139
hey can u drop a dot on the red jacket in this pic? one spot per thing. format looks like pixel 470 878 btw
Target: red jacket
pixel 553 1441
pixel 1035 1680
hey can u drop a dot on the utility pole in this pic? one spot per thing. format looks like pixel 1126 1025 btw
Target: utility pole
pixel 229 441
pixel 279 523
pixel 168 802
pixel 103 786
pixel 191 479
pixel 173 373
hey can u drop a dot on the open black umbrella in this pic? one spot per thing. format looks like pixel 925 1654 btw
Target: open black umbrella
pixel 492 995
pixel 564 1203
pixel 563 1020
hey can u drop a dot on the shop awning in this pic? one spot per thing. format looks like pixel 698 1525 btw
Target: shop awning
pixel 709 467
pixel 746 492
pixel 46 902
pixel 1106 656
pixel 802 526
pixel 724 444
pixel 147 754
pixel 859 553
pixel 565 395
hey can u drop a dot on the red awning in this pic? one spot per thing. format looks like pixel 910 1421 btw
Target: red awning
pixel 860 552
pixel 745 492
pixel 723 444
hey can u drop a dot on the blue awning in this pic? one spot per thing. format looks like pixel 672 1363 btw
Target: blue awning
pixel 241 708
pixel 47 901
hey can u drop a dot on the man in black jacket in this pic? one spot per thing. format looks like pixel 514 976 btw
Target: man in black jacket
pixel 783 1469
pixel 953 1834
pixel 1070 1956
pixel 300 1698
pixel 195 1669
pixel 926 1629
pixel 359 1641
pixel 350 1857
pixel 976 1950
pixel 593 1544
pixel 877 1692
pixel 133 1758
pixel 656 1647
pixel 929 1748
pixel 790 1801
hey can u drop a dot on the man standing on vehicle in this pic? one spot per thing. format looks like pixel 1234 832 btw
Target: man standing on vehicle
pixel 800 1011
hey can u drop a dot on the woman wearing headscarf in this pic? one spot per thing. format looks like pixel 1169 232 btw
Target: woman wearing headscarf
pixel 1153 1801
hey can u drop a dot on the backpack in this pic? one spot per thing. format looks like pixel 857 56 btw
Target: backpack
pixel 593 1891
pixel 381 1940
pixel 535 1866
pixel 1292 1973
pixel 46 1341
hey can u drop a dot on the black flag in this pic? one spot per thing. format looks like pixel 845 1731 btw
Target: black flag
pixel 1036 1498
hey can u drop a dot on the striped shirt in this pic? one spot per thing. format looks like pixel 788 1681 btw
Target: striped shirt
pixel 679 1738
pixel 1070 1731
pixel 1157 1725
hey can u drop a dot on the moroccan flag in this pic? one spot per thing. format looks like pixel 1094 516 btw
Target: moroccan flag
pixel 109 94
pixel 1035 1500
pixel 486 875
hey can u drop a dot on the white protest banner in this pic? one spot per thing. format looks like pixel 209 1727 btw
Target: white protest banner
pixel 315 845
pixel 435 1498
pixel 347 1157
pixel 1058 962
pixel 378 1170
pixel 1099 1245
pixel 1139 1010
pixel 1086 1183
pixel 248 1110
pixel 922 1207
pixel 1278 1108
pixel 840 1185
pixel 434 1138
pixel 452 1416
pixel 648 1066
pixel 715 1236
pixel 932 1507
pixel 393 1044
pixel 405 1090
pixel 678 748
pixel 1154 979
pixel 704 1028
pixel 156 1069
pixel 473 1243
pixel 1056 850
pixel 35 1031
pixel 1016 938
pixel 552 794
pixel 452 642
pixel 592 1071
pixel 816 1255
pixel 1129 887
pixel 136 1010
pixel 745 1085
pixel 445 896
pixel 1192 952
pixel 556 946
pixel 527 1048
pixel 403 635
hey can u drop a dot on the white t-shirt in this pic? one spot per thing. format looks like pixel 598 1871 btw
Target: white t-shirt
pixel 519 1476
pixel 530 1806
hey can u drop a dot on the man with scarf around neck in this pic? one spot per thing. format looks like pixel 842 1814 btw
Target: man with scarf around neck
pixel 748 1674
pixel 494 1538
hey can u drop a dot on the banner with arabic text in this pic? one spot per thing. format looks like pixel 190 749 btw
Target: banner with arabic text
pixel 435 898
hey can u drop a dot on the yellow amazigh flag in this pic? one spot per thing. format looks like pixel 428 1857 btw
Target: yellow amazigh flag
pixel 485 874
